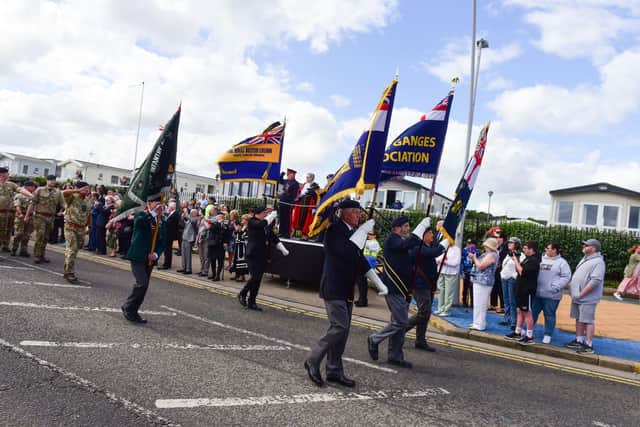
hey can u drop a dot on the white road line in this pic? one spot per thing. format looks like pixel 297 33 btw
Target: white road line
pixel 91 387
pixel 60 307
pixel 29 266
pixel 220 347
pixel 299 398
pixel 54 285
pixel 276 340
pixel 8 267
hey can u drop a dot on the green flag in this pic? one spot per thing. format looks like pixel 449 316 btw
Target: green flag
pixel 156 173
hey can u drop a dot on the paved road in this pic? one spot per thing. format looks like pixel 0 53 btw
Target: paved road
pixel 67 357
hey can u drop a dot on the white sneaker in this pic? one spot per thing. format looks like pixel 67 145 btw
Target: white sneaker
pixel 546 339
pixel 617 296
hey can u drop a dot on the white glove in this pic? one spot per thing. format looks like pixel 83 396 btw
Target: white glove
pixel 445 243
pixel 282 249
pixel 422 227
pixel 271 217
pixel 359 237
pixel 377 282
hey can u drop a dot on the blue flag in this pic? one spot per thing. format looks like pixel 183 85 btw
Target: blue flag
pixel 362 170
pixel 417 151
pixel 464 189
pixel 257 158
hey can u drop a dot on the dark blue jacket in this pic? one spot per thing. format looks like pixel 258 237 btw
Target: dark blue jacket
pixel 343 264
pixel 104 213
pixel 398 263
pixel 428 269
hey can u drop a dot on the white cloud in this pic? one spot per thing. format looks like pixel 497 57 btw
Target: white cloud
pixel 305 87
pixel 581 109
pixel 340 101
pixel 454 59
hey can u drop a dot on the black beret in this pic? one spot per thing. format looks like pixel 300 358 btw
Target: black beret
pixel 154 198
pixel 81 184
pixel 259 209
pixel 29 184
pixel 4 170
pixel 348 204
pixel 51 177
pixel 399 221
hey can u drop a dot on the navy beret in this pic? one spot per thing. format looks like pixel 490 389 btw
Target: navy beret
pixel 4 170
pixel 154 198
pixel 259 209
pixel 81 184
pixel 399 221
pixel 51 177
pixel 29 184
pixel 349 204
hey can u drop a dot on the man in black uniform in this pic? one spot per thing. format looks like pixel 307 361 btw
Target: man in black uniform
pixel 257 234
pixel 173 219
pixel 343 265
pixel 288 193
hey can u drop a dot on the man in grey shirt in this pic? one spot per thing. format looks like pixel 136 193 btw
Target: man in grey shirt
pixel 586 291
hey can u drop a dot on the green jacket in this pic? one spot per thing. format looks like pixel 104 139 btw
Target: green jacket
pixel 142 235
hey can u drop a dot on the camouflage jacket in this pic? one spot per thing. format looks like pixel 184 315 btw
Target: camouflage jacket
pixel 7 191
pixel 46 200
pixel 78 209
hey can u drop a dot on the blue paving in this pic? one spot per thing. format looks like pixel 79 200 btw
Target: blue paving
pixel 614 347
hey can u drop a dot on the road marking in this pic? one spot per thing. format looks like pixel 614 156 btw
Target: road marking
pixel 299 398
pixel 91 387
pixel 220 347
pixel 54 285
pixel 601 424
pixel 31 267
pixel 276 340
pixel 8 267
pixel 60 307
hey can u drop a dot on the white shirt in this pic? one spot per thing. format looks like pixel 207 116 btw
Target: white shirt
pixel 509 268
pixel 452 262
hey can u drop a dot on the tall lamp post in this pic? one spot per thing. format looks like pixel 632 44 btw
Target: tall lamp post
pixel 489 207
pixel 135 153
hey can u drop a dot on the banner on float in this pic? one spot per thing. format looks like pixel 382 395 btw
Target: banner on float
pixel 257 158
pixel 417 151
pixel 464 189
pixel 362 170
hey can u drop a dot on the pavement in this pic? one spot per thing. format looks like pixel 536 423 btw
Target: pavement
pixel 69 358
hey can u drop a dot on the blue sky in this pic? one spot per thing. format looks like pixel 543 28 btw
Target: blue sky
pixel 559 83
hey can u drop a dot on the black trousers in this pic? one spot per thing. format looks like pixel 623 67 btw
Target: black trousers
pixel 216 260
pixel 363 288
pixel 284 215
pixel 496 293
pixel 142 273
pixel 168 254
pixel 333 343
pixel 424 300
pixel 256 270
pixel 467 290
pixel 101 240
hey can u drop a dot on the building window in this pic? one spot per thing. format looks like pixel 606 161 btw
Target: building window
pixel 25 169
pixel 199 188
pixel 590 215
pixel 244 189
pixel 565 212
pixel 46 172
pixel 634 217
pixel 100 177
pixel 210 189
pixel 610 216
pixel 114 179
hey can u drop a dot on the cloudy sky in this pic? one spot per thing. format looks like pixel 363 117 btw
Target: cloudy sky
pixel 559 83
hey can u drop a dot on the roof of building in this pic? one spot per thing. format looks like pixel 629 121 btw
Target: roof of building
pixel 82 163
pixel 14 156
pixel 600 187
pixel 186 174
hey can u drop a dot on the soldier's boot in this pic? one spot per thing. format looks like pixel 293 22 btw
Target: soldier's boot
pixel 70 277
pixel 38 260
pixel 24 253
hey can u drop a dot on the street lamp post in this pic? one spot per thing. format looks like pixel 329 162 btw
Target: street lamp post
pixel 135 153
pixel 489 207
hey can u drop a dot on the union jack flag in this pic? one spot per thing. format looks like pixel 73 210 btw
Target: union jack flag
pixel 438 112
pixel 272 135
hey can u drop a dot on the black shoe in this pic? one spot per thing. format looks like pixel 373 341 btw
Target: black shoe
pixel 314 373
pixel 525 340
pixel 202 274
pixel 47 260
pixel 585 349
pixel 38 260
pixel 163 267
pixel 242 299
pixel 216 279
pixel 342 380
pixel 575 344
pixel 24 254
pixel 424 346
pixel 373 349
pixel 400 363
pixel 70 277
pixel 187 272
pixel 360 303
pixel 513 336
pixel 180 271
pixel 254 306
pixel 140 319
pixel 128 315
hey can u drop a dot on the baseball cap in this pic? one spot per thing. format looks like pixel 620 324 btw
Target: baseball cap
pixel 592 242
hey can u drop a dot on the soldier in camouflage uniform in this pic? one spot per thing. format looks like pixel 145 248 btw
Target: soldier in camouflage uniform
pixel 23 224
pixel 44 203
pixel 7 192
pixel 77 216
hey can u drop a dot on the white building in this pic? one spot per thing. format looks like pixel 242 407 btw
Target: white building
pixel 190 183
pixel 248 189
pixel 94 173
pixel 602 206
pixel 410 194
pixel 21 165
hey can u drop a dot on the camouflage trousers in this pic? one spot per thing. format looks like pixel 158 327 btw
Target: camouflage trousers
pixel 75 239
pixel 42 226
pixel 21 235
pixel 6 222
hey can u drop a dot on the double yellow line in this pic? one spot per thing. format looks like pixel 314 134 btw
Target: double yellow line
pixel 365 325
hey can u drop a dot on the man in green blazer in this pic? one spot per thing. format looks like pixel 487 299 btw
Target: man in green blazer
pixel 146 245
